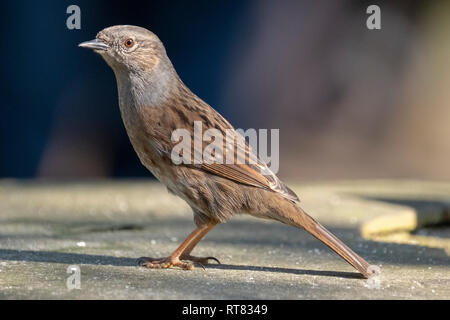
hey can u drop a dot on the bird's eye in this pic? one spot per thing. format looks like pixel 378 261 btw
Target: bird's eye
pixel 129 43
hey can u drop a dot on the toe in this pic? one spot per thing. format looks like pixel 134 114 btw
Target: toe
pixel 164 263
pixel 213 258
pixel 149 262
pixel 142 260
pixel 185 265
pixel 201 260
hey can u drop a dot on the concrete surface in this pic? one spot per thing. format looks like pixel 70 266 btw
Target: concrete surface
pixel 103 226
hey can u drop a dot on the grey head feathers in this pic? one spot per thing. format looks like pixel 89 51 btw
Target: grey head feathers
pixel 140 63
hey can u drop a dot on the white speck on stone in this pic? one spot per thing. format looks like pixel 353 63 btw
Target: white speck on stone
pixel 81 244
pixel 152 241
pixel 123 206
pixel 174 239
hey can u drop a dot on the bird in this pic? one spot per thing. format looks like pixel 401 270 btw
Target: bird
pixel 154 102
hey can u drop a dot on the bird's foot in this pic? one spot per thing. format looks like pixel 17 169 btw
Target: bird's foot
pixel 201 260
pixel 168 262
pixel 164 263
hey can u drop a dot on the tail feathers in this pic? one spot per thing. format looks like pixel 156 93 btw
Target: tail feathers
pixel 321 233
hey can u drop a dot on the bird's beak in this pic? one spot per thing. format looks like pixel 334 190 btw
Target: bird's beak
pixel 95 44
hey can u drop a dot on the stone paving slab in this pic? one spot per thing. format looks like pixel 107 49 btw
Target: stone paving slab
pixel 103 226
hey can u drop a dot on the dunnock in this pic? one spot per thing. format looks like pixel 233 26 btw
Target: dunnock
pixel 153 103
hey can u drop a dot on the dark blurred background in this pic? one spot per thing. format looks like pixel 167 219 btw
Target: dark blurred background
pixel 349 102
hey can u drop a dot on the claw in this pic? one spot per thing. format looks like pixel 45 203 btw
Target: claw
pixel 142 260
pixel 200 260
pixel 201 265
pixel 215 259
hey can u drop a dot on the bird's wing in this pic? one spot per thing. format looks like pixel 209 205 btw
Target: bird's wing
pixel 246 174
pixel 252 171
pixel 245 168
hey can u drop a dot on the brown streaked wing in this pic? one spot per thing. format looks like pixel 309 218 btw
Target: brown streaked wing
pixel 248 173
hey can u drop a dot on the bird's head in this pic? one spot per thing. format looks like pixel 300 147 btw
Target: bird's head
pixel 128 48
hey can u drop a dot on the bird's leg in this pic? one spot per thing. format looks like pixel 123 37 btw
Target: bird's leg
pixel 175 259
pixel 186 255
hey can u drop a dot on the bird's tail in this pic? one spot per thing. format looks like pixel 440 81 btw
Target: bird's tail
pixel 302 219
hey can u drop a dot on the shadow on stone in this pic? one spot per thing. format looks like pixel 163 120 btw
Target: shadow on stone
pixel 62 257
pixel 417 204
pixel 348 275
pixel 78 258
